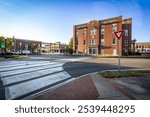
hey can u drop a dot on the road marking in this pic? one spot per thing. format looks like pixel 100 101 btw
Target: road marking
pixel 29 76
pixel 18 90
pixel 23 67
pixel 21 71
pixel 26 80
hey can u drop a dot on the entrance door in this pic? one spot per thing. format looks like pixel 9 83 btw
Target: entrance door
pixel 92 51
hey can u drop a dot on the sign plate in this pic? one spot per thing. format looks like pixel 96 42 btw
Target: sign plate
pixel 3 44
pixel 118 34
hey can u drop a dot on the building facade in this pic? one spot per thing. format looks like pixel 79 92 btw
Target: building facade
pixel 97 37
pixel 58 48
pixel 45 47
pixel 143 47
pixel 20 45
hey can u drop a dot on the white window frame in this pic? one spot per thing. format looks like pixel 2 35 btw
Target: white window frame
pixel 77 33
pixel 92 41
pixel 126 32
pixel 84 32
pixel 93 31
pixel 102 51
pixel 102 29
pixel 20 44
pixel 102 42
pixel 114 27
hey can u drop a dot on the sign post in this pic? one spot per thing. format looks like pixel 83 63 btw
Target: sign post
pixel 119 35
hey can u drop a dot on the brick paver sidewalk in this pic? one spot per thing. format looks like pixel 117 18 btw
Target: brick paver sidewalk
pixel 78 89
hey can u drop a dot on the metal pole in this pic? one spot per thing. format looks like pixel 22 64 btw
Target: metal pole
pixel 26 53
pixel 119 53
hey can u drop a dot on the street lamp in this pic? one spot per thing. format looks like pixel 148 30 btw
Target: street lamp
pixel 133 42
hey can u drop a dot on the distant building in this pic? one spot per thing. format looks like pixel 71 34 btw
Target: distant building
pixel 45 47
pixel 20 45
pixel 97 37
pixel 143 47
pixel 58 48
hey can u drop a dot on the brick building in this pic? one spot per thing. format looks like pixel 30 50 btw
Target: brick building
pixel 45 47
pixel 143 47
pixel 97 37
pixel 19 45
pixel 58 48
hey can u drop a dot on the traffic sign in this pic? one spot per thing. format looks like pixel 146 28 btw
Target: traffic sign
pixel 3 44
pixel 118 34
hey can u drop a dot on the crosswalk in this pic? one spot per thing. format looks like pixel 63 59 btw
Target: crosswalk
pixel 21 80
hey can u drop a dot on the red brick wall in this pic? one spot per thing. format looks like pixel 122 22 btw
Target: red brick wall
pixel 127 24
pixel 108 35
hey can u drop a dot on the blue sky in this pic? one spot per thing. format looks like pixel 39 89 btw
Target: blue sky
pixel 53 20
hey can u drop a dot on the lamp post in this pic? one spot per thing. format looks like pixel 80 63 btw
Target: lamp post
pixel 133 42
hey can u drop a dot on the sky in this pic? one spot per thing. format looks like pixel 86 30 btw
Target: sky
pixel 53 20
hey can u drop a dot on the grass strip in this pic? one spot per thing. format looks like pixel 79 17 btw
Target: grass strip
pixel 132 73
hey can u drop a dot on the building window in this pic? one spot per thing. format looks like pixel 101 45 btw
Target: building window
pixel 114 27
pixel 102 36
pixel 13 43
pixel 20 44
pixel 84 42
pixel 114 41
pixel 76 42
pixel 102 29
pixel 126 42
pixel 92 42
pixel 77 33
pixel 102 51
pixel 93 31
pixel 126 32
pixel 102 42
pixel 84 32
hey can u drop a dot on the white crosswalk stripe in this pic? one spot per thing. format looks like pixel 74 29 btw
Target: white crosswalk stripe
pixel 21 80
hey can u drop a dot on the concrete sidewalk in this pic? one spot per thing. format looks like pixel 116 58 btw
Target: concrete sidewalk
pixel 94 86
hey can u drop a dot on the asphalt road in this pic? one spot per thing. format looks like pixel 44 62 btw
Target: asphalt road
pixel 76 69
pixel 21 80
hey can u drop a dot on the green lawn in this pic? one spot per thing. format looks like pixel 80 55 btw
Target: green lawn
pixel 132 73
pixel 19 56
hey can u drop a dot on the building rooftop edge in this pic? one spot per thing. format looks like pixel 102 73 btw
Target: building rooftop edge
pixel 23 39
